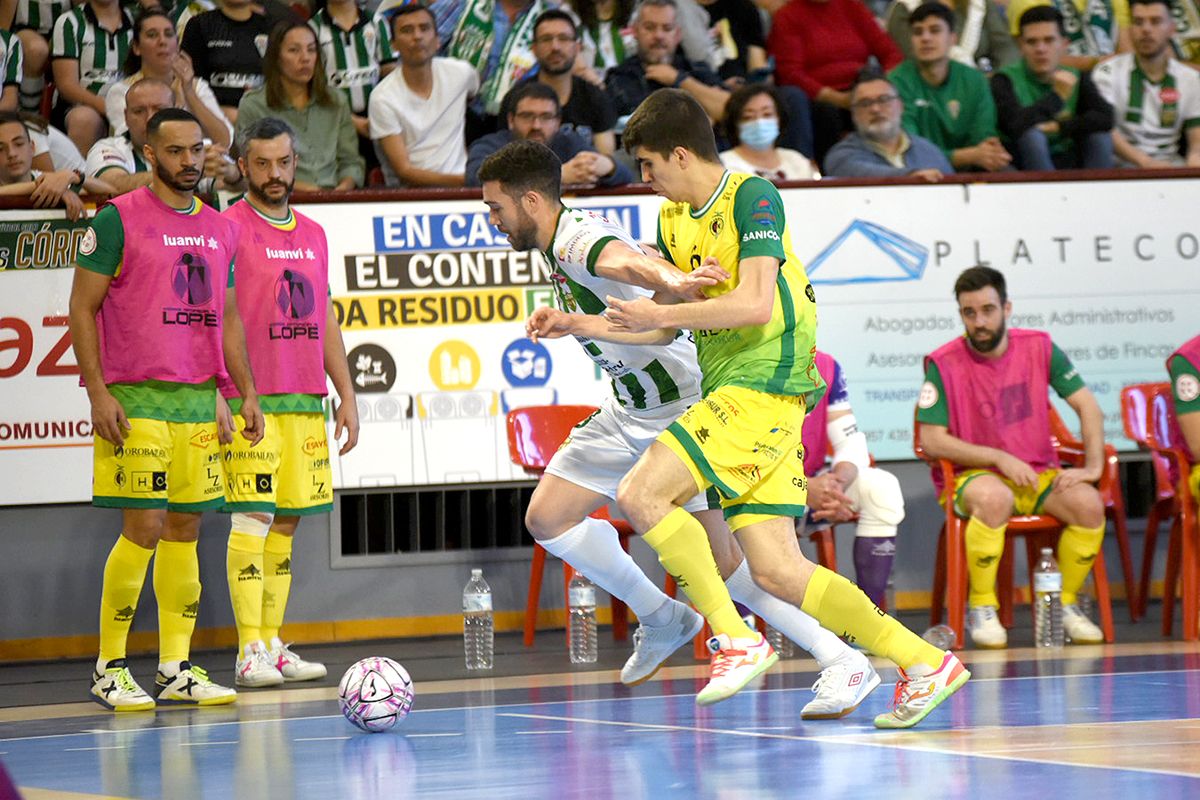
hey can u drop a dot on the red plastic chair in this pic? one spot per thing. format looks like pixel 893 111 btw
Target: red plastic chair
pixel 1039 530
pixel 534 434
pixel 1067 443
pixel 1136 401
pixel 1183 554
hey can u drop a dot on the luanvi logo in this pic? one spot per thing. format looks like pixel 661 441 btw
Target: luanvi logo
pixel 249 573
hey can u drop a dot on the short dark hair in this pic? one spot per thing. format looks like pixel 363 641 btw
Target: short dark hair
pixel 637 10
pixel 263 130
pixel 1041 14
pixel 738 100
pixel 870 74
pixel 532 90
pixel 932 9
pixel 1164 3
pixel 671 118
pixel 973 279
pixel 522 166
pixel 14 116
pixel 553 14
pixel 396 12
pixel 165 115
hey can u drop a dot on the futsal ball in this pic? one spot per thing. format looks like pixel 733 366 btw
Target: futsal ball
pixel 375 694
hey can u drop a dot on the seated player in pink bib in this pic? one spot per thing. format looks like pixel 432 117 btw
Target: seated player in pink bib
pixel 1184 366
pixel 985 407
pixel 850 485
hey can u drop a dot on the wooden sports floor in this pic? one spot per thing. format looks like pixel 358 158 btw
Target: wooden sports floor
pixel 1120 721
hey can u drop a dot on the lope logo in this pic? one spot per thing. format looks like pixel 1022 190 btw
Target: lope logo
pixel 191 280
pixel 294 295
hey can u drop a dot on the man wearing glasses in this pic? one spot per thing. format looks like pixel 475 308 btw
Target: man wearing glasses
pixel 879 147
pixel 535 115
pixel 585 107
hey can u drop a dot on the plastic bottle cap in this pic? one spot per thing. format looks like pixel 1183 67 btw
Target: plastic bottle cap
pixel 1046 551
pixel 476 573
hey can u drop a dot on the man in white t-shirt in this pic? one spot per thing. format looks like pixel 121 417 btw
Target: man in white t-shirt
pixel 1155 98
pixel 417 113
pixel 118 159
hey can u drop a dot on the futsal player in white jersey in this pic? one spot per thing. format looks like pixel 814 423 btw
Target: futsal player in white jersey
pixel 592 258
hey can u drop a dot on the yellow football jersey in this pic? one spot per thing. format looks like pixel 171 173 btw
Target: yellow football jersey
pixel 745 218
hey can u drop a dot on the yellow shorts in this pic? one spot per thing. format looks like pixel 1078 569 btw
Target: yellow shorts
pixel 1026 499
pixel 746 443
pixel 286 473
pixel 172 465
pixel 1194 482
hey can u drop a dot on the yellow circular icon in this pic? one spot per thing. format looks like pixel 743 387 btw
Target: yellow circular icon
pixel 454 365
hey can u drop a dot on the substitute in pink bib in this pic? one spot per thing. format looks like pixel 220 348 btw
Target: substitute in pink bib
pixel 985 408
pixel 283 291
pixel 162 317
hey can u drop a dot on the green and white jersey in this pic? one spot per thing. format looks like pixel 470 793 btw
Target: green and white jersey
pixel 353 57
pixel 39 15
pixel 11 60
pixel 78 36
pixel 643 377
pixel 1152 116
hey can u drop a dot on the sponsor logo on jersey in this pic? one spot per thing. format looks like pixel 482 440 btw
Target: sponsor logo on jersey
pixel 758 236
pixel 1187 388
pixel 764 212
pixel 929 395
pixel 190 241
pixel 87 245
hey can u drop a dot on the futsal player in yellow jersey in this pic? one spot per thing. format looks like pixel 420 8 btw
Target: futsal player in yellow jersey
pixel 755 339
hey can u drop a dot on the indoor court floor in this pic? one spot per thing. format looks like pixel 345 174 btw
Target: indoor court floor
pixel 1120 721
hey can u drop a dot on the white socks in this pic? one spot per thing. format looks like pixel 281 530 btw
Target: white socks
pixel 592 547
pixel 802 629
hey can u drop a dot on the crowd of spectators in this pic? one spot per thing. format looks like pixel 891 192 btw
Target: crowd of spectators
pixel 416 93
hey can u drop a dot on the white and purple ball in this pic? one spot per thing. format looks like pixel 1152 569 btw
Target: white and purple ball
pixel 375 694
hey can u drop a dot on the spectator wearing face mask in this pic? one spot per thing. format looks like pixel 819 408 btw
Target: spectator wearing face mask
pixel 755 120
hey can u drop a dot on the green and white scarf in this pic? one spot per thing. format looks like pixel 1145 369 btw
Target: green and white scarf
pixel 1168 97
pixel 1092 32
pixel 472 42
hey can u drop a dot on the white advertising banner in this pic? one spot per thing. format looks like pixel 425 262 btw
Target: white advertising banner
pixel 432 305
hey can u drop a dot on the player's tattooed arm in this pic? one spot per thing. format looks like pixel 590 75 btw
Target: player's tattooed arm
pixel 620 262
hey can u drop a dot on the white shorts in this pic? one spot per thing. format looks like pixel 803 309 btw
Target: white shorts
pixel 606 445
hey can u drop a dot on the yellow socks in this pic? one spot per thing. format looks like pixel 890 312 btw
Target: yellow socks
pixel 682 547
pixel 277 583
pixel 124 574
pixel 984 547
pixel 177 588
pixel 843 608
pixel 244 569
pixel 1077 549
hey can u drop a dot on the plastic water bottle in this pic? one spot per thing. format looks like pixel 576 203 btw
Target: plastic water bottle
pixel 581 622
pixel 940 636
pixel 781 644
pixel 478 630
pixel 1047 597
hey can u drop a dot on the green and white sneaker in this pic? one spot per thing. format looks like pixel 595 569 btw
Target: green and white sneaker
pixel 191 686
pixel 116 690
